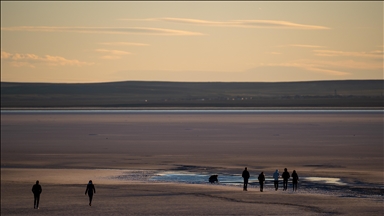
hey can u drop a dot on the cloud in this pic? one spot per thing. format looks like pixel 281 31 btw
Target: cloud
pixel 30 60
pixel 278 24
pixel 113 52
pixel 237 23
pixel 123 44
pixel 327 71
pixel 331 53
pixel 348 64
pixel 301 45
pixel 308 67
pixel 110 57
pixel 335 68
pixel 103 30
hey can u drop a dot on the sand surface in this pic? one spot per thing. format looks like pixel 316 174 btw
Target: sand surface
pixel 65 150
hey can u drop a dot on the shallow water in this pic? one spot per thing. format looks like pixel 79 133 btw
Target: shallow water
pixel 228 179
pixel 312 185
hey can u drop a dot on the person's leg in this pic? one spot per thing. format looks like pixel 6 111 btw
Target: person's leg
pixel 261 186
pixel 246 185
pixel 34 201
pixel 90 198
pixel 37 201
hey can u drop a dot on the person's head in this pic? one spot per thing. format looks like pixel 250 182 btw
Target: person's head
pixel 285 169
pixel 294 171
pixel 37 182
pixel 245 168
pixel 277 170
pixel 262 173
pixel 90 182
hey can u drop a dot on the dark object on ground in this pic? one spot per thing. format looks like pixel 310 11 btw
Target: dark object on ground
pixel 213 179
pixel 36 189
pixel 90 190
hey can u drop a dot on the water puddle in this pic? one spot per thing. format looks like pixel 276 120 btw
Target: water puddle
pixel 333 181
pixel 318 185
pixel 230 179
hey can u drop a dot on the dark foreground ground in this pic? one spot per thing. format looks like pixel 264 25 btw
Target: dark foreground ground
pixel 173 199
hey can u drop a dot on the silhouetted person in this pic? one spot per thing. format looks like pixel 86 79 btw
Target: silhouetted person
pixel 90 190
pixel 261 181
pixel 213 179
pixel 245 176
pixel 276 176
pixel 36 189
pixel 295 179
pixel 285 176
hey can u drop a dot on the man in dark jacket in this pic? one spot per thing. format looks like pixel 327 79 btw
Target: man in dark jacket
pixel 90 189
pixel 285 177
pixel 245 176
pixel 261 181
pixel 36 189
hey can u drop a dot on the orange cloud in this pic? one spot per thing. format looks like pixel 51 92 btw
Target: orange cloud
pixel 30 60
pixel 112 54
pixel 331 53
pixel 101 30
pixel 309 67
pixel 237 23
pixel 300 45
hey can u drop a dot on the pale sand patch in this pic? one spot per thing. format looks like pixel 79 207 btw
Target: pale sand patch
pixel 175 199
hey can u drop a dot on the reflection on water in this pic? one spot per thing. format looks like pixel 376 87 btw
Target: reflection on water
pixel 229 179
pixel 335 181
pixel 317 185
pixel 194 178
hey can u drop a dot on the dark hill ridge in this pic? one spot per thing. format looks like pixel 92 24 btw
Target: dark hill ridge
pixel 131 94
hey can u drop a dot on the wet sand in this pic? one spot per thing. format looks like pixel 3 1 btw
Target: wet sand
pixel 64 151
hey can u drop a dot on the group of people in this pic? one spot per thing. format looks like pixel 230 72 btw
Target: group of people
pixel 90 190
pixel 276 175
pixel 37 189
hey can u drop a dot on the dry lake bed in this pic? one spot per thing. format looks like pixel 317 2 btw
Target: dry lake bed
pixel 158 162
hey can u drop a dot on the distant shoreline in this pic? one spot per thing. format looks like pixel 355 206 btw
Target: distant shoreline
pixel 194 108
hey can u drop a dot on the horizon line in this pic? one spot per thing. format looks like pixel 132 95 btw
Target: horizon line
pixel 191 81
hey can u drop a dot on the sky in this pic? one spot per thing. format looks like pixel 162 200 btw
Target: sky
pixel 201 41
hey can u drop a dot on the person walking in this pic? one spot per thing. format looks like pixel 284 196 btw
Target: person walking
pixel 36 189
pixel 261 181
pixel 90 190
pixel 285 176
pixel 245 176
pixel 276 176
pixel 295 179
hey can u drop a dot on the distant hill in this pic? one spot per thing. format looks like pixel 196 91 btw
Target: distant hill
pixel 137 94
